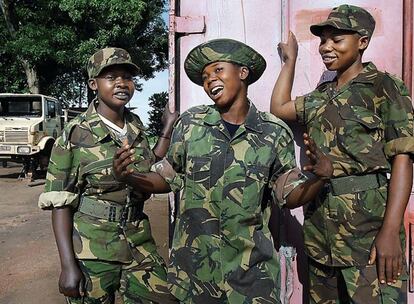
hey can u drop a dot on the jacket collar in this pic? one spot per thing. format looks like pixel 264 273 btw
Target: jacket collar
pixel 367 75
pixel 252 122
pixel 101 131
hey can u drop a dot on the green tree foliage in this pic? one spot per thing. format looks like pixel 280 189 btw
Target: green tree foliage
pixel 157 103
pixel 56 37
pixel 12 78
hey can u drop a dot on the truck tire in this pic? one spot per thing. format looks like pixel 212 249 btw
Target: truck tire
pixel 44 156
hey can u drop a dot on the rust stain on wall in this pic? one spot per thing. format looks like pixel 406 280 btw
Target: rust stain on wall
pixel 305 18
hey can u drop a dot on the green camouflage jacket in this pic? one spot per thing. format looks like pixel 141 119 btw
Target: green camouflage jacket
pixel 222 250
pixel 81 165
pixel 361 127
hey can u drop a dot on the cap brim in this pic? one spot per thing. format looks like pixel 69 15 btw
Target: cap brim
pixel 130 66
pixel 317 29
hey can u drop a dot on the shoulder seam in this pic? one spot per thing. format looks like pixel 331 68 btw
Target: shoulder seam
pixel 269 117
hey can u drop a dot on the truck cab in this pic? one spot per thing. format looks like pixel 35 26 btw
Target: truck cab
pixel 29 126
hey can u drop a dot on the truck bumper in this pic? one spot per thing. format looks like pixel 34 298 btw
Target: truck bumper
pixel 10 151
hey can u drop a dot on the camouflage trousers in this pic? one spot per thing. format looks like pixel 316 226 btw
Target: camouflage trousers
pixel 359 285
pixel 144 282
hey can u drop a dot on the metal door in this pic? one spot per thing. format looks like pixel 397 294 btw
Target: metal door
pixel 262 24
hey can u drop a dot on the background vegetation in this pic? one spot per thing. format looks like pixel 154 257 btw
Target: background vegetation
pixel 45 44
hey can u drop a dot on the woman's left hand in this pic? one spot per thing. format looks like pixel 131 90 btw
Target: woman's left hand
pixel 320 164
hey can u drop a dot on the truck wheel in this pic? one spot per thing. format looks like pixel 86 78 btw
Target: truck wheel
pixel 43 161
pixel 28 168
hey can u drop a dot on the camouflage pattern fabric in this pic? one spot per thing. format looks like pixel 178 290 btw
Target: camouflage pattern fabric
pixel 226 50
pixel 347 17
pixel 140 282
pixel 222 250
pixel 81 162
pixel 360 127
pixel 359 285
pixel 107 57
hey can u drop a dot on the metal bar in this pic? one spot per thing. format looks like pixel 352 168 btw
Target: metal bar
pixel 285 20
pixel 173 99
pixel 410 257
pixel 171 56
pixel 407 72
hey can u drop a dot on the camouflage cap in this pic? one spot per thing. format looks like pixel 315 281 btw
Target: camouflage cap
pixel 107 57
pixel 347 17
pixel 227 50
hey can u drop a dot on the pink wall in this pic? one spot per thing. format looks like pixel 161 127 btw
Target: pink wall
pixel 262 24
pixel 238 20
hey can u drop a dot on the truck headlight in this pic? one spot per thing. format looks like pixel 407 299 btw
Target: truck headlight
pixel 2 136
pixel 23 150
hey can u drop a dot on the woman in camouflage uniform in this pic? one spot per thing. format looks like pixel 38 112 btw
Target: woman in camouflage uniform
pixel 226 158
pixel 103 236
pixel 362 120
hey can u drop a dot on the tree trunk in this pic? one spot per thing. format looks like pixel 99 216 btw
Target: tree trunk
pixel 31 73
pixel 5 8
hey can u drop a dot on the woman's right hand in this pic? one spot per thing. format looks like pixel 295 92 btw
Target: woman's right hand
pixel 72 281
pixel 288 51
pixel 123 157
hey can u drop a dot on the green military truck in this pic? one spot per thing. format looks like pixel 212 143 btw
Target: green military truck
pixel 29 126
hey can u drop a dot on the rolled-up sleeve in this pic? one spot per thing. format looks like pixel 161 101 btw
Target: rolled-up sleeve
pixel 300 109
pixel 285 176
pixel 285 184
pixel 397 116
pixel 171 168
pixel 56 199
pixel 61 178
pixel 165 169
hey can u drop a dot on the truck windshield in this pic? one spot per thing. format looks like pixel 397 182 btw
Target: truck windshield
pixel 20 106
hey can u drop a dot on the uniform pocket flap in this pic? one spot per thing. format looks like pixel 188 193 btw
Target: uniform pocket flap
pixel 361 115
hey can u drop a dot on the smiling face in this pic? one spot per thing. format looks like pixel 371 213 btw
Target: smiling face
pixel 341 49
pixel 224 83
pixel 114 85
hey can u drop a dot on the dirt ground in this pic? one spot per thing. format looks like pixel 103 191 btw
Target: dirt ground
pixel 29 262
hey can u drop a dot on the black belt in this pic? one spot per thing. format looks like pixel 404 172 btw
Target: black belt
pixel 356 183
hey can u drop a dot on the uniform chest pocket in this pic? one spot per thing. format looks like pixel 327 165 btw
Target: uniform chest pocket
pixel 257 178
pixel 198 172
pixel 355 116
pixel 360 131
